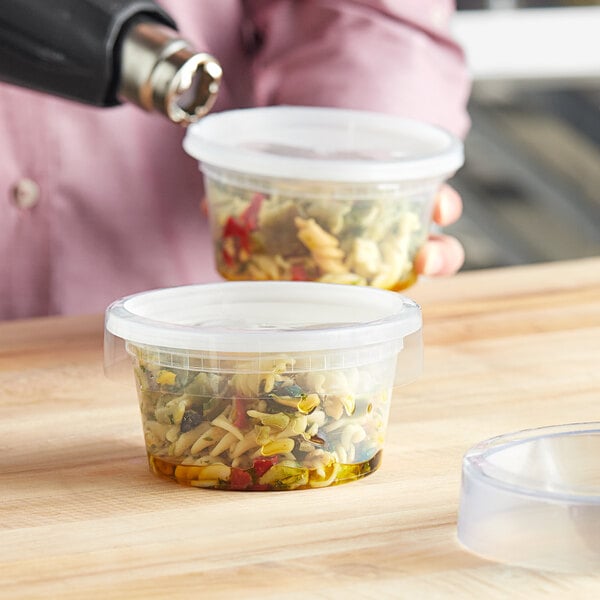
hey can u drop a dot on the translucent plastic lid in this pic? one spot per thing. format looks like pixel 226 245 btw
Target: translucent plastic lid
pixel 532 498
pixel 324 144
pixel 264 316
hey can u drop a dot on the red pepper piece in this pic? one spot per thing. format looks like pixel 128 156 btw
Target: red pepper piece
pixel 250 215
pixel 240 479
pixel 298 273
pixel 233 228
pixel 262 465
pixel 241 418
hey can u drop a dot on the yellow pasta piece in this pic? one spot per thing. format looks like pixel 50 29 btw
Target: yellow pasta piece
pixel 165 377
pixel 207 439
pixel 204 483
pixel 349 403
pixel 325 480
pixel 263 267
pixel 246 384
pixel 184 442
pixel 251 384
pixel 277 420
pixel 308 403
pixel 285 474
pixel 323 246
pixel 277 447
pixel 216 471
pixel 263 435
pixel 226 442
pixel 365 257
pixel 299 424
pixel 173 433
pixel 223 423
pixel 343 278
pixel 243 446
pixel 172 412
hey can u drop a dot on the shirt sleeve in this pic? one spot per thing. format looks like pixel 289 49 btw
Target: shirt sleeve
pixel 394 56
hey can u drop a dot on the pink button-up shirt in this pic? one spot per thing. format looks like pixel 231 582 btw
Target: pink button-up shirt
pixel 100 203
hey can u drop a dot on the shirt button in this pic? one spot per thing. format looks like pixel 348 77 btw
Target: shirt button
pixel 26 193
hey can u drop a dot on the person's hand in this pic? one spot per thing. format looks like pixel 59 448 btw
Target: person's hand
pixel 442 254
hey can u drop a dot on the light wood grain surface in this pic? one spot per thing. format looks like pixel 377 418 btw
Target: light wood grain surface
pixel 82 517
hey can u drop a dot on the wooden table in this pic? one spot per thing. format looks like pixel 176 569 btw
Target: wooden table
pixel 82 517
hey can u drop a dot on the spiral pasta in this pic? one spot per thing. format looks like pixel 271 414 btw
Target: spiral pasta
pixel 262 424
pixel 324 248
pixel 363 236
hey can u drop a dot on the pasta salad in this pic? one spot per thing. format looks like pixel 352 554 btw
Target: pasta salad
pixel 280 426
pixel 364 235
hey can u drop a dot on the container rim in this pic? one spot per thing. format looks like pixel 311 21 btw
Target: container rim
pixel 324 144
pixel 322 317
pixel 477 465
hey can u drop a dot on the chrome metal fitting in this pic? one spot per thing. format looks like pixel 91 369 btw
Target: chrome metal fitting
pixel 161 71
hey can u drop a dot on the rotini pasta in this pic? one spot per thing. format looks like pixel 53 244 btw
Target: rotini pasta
pixel 279 427
pixel 362 236
pixel 324 247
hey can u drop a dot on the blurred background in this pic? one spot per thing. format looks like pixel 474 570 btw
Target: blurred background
pixel 531 181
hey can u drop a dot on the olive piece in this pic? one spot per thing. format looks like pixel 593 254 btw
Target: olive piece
pixel 190 420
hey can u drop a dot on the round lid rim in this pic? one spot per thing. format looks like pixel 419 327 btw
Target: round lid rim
pixel 439 164
pixel 137 329
pixel 477 467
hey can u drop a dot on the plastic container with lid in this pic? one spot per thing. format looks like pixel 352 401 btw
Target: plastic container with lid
pixel 320 194
pixel 532 498
pixel 265 385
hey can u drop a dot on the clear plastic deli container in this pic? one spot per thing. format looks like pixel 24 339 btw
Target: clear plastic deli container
pixel 265 385
pixel 532 498
pixel 320 194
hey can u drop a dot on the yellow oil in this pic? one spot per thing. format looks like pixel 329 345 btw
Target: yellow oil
pixel 407 282
pixel 192 475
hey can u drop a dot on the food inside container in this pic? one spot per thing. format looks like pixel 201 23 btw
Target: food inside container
pixel 320 194
pixel 265 386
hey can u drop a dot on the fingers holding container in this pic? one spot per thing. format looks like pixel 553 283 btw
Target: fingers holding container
pixel 442 254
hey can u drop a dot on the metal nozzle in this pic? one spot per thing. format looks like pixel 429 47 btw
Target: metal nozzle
pixel 160 71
